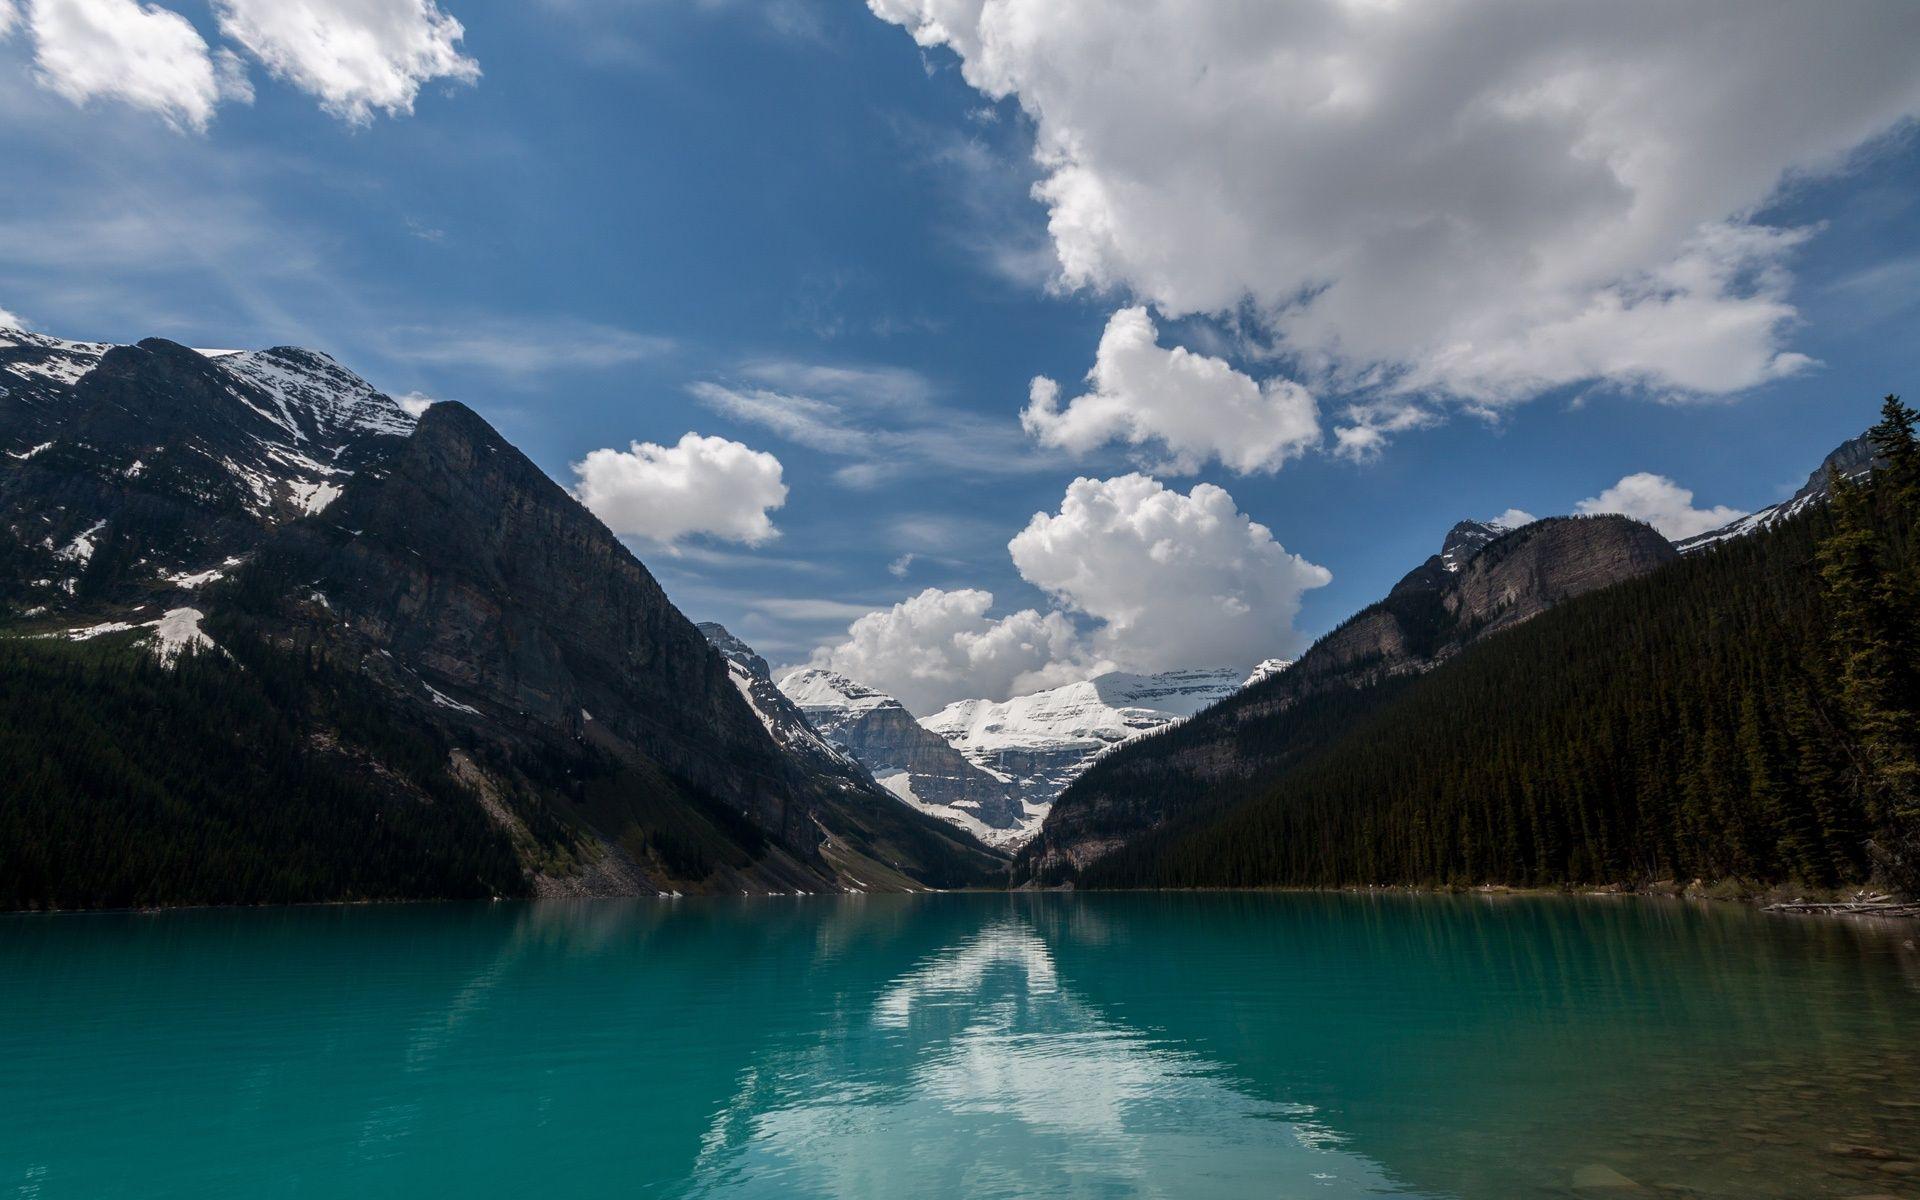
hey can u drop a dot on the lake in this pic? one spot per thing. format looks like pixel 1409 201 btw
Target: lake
pixel 961 1046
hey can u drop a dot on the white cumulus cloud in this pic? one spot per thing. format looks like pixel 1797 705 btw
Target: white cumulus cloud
pixel 1142 578
pixel 415 404
pixel 1474 198
pixel 139 54
pixel 1172 580
pixel 703 485
pixel 1661 503
pixel 9 17
pixel 11 320
pixel 1197 407
pixel 356 56
pixel 940 646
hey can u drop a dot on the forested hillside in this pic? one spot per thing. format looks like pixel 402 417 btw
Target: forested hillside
pixel 1749 713
pixel 252 780
pixel 1484 581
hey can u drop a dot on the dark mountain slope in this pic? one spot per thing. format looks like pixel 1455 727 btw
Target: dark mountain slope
pixel 462 560
pixel 1478 585
pixel 274 502
pixel 1694 723
pixel 459 574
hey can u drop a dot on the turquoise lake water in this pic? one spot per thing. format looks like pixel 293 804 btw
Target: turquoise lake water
pixel 961 1046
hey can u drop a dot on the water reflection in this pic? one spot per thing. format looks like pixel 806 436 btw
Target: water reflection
pixel 976 1074
pixel 1514 1047
pixel 938 1046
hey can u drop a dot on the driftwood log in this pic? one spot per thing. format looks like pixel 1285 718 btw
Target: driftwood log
pixel 1869 907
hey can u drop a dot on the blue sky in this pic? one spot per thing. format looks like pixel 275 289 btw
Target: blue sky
pixel 638 210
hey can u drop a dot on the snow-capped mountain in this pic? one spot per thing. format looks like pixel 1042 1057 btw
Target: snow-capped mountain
pixel 1468 538
pixel 994 767
pixel 1042 741
pixel 144 473
pixel 1852 459
pixel 909 760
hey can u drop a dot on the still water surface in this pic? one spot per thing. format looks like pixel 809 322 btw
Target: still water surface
pixel 961 1046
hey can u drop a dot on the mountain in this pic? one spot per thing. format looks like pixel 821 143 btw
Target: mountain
pixel 1042 741
pixel 912 762
pixel 1483 581
pixel 1747 716
pixel 273 521
pixel 1853 459
pixel 1466 539
pixel 138 472
pixel 994 768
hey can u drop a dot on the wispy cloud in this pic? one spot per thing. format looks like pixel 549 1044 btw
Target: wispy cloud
pixel 523 346
pixel 846 303
pixel 993 220
pixel 887 420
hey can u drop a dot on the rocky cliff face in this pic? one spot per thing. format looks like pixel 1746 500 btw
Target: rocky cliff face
pixel 783 720
pixel 464 576
pixel 1492 580
pixel 460 558
pixel 914 763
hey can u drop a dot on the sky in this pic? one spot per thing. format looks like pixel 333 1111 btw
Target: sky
pixel 972 346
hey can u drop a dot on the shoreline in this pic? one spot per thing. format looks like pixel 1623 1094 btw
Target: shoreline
pixel 1786 901
pixel 1856 903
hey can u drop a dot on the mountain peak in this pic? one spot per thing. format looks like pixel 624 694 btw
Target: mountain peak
pixel 1852 459
pixel 819 687
pixel 313 396
pixel 734 650
pixel 1467 538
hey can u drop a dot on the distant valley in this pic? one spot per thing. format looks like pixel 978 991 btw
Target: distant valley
pixel 994 767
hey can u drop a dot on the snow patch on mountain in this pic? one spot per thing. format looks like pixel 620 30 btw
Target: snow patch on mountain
pixel 178 632
pixel 174 633
pixel 1266 669
pixel 313 397
pixel 35 356
pixel 1854 459
pixel 80 549
pixel 960 812
pixel 833 694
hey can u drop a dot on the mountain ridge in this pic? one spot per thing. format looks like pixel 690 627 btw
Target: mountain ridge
pixel 1434 612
